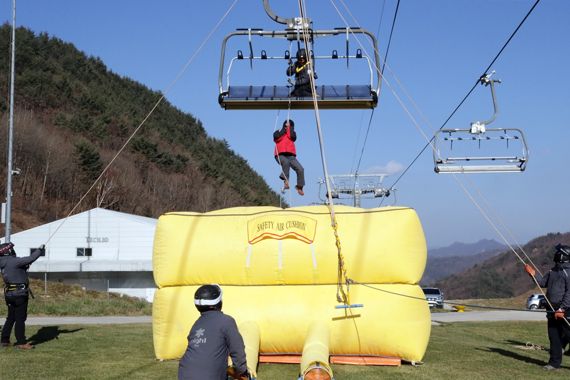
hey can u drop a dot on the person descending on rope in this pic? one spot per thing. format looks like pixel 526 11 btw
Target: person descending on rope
pixel 557 283
pixel 302 71
pixel 286 155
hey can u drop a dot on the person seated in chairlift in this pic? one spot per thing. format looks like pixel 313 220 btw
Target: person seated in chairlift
pixel 285 154
pixel 301 69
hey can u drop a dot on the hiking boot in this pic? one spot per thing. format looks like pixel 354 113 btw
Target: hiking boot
pixel 300 190
pixel 548 367
pixel 5 344
pixel 25 346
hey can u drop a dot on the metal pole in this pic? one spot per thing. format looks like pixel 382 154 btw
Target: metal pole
pixel 11 129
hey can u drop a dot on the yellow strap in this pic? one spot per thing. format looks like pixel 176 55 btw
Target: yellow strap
pixel 298 69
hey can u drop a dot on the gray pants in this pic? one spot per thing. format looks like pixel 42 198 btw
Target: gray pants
pixel 288 162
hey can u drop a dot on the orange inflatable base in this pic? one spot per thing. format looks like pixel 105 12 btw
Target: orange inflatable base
pixel 334 359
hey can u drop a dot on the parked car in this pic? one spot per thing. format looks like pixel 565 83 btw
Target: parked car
pixel 536 301
pixel 434 297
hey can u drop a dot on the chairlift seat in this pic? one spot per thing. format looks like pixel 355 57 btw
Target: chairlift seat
pixel 504 168
pixel 277 97
pixel 497 163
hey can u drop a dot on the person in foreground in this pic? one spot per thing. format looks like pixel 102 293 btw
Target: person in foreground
pixel 212 338
pixel 16 293
pixel 557 284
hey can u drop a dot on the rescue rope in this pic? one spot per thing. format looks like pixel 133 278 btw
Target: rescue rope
pixel 530 346
pixel 449 302
pixel 343 282
pixel 275 127
pixel 504 226
pixel 158 102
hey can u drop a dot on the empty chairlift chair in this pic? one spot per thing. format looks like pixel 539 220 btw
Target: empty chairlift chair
pixel 480 149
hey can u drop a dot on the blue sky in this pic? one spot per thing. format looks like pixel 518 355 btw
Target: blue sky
pixel 438 50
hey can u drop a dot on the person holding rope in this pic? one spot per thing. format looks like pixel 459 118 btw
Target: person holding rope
pixel 285 154
pixel 301 69
pixel 557 284
pixel 16 293
pixel 212 338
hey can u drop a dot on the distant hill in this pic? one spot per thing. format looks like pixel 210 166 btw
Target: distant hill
pixel 72 115
pixel 441 267
pixel 466 249
pixel 503 275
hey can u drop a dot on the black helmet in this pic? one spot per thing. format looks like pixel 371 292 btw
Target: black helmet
pixel 562 254
pixel 7 249
pixel 302 53
pixel 208 297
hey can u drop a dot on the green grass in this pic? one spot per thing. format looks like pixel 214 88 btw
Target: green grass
pixel 66 300
pixel 486 350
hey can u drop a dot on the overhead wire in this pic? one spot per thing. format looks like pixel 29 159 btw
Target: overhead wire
pixel 137 129
pixel 362 114
pixel 430 141
pixel 470 91
pixel 381 75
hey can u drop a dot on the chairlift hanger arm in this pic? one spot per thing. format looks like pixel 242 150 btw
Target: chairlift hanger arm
pixel 273 16
pixel 487 81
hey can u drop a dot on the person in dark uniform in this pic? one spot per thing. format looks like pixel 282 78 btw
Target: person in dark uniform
pixel 285 154
pixel 301 69
pixel 557 284
pixel 16 293
pixel 212 338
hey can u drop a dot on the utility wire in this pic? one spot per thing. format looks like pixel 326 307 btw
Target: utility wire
pixel 158 102
pixel 468 93
pixel 390 38
pixel 381 74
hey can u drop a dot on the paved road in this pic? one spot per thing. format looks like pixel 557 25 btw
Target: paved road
pixel 488 316
pixel 47 321
pixel 469 316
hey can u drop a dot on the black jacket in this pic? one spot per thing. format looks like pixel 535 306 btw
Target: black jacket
pixel 557 284
pixel 15 270
pixel 301 72
pixel 212 339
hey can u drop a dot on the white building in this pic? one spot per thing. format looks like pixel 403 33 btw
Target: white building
pixel 98 249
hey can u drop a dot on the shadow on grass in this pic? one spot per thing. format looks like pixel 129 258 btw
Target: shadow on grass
pixel 513 355
pixel 47 333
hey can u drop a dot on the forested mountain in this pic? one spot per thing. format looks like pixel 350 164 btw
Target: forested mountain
pixel 72 115
pixel 503 275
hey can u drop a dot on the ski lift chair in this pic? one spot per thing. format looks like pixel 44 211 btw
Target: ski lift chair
pixel 246 97
pixel 480 159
